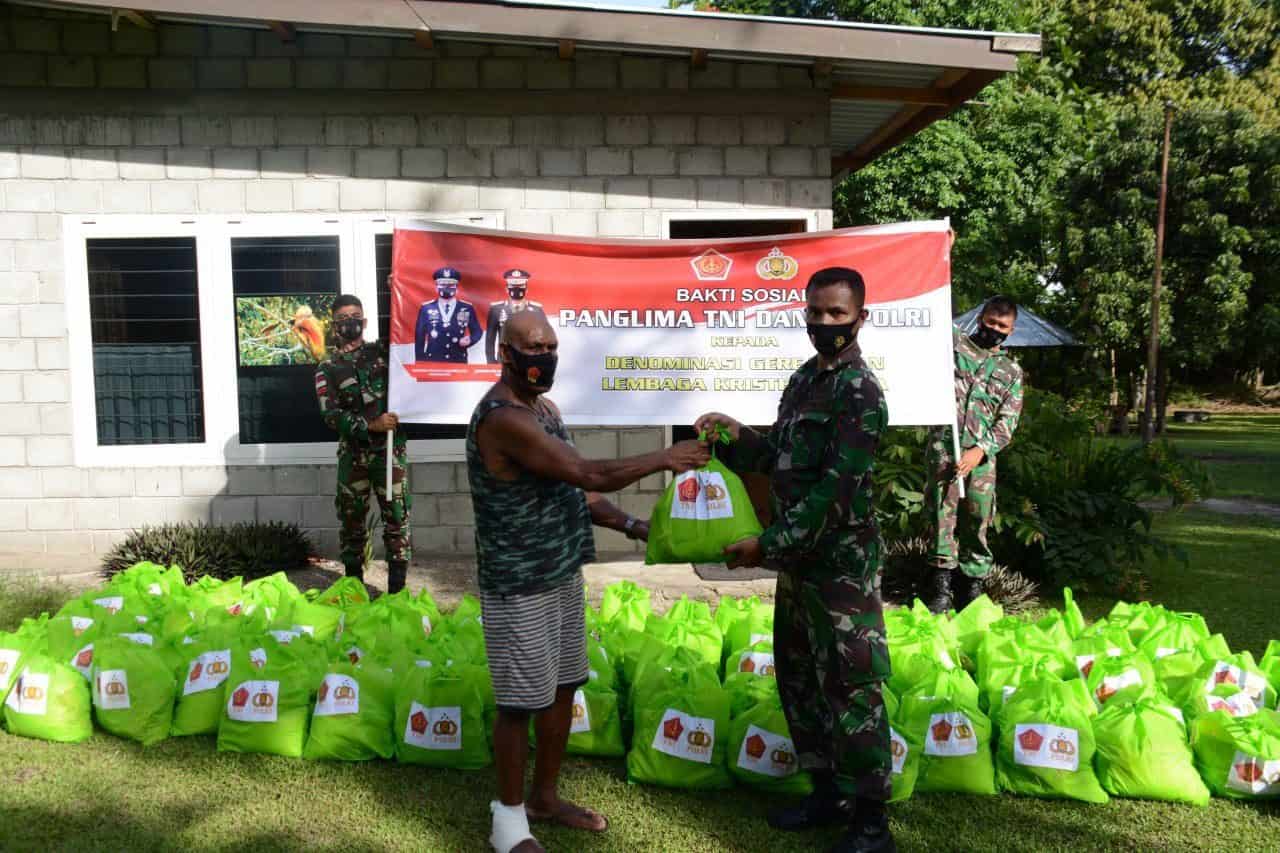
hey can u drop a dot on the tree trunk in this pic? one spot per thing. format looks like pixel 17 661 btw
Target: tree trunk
pixel 1162 391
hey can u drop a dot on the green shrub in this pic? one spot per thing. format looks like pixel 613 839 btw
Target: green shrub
pixel 21 597
pixel 245 550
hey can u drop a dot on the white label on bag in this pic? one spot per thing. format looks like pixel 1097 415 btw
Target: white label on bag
pixel 8 667
pixel 155 589
pixel 1250 774
pixel 426 625
pixel 82 661
pixel 31 694
pixel 434 728
pixel 309 630
pixel 141 620
pixel 258 658
pixel 1084 663
pixel 423 664
pixel 767 753
pixel 1249 682
pixel 755 638
pixel 283 637
pixel 354 654
pixel 111 690
pixel 684 736
pixel 1165 651
pixel 1113 684
pixel 701 496
pixel 140 638
pixel 80 624
pixel 950 735
pixel 338 694
pixel 254 702
pixel 1040 745
pixel 761 663
pixel 207 672
pixel 581 719
pixel 898 749
pixel 945 657
pixel 1007 691
pixel 1236 705
pixel 112 604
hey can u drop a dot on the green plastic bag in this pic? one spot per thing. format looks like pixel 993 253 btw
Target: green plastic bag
pixel 275 591
pixel 208 592
pixel 203 673
pixel 1110 643
pixel 12 649
pixel 1005 654
pixel 132 690
pixel 1270 664
pixel 1226 674
pixel 440 719
pixel 1071 614
pixel 970 624
pixel 904 748
pixel 956 736
pixel 681 735
pixel 1034 673
pixel 600 664
pixel 1046 745
pixel 755 660
pixel 318 621
pixel 1121 678
pixel 70 640
pixel 596 726
pixel 730 611
pixel 49 701
pixel 1239 757
pixel 625 605
pixel 701 638
pixel 698 515
pixel 353 715
pixel 268 700
pixel 755 627
pixel 761 753
pixel 1180 632
pixel 1143 754
pixel 345 593
pixel 746 690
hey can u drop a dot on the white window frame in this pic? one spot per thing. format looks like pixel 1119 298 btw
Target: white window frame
pixel 213 234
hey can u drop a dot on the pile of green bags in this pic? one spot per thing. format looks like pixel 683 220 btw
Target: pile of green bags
pixel 1144 703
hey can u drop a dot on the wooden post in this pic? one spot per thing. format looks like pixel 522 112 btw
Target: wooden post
pixel 1153 342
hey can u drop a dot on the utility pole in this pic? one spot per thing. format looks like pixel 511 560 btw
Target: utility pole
pixel 1153 343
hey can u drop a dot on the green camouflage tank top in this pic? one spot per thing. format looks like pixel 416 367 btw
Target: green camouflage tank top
pixel 531 533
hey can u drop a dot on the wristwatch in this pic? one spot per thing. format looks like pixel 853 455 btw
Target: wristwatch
pixel 629 527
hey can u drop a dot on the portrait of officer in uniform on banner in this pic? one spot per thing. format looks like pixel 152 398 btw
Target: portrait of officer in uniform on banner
pixel 447 326
pixel 500 312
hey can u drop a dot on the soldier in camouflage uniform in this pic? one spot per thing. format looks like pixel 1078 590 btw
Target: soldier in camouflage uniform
pixel 352 390
pixel 989 402
pixel 829 639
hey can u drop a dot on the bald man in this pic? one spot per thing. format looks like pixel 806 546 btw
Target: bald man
pixel 535 500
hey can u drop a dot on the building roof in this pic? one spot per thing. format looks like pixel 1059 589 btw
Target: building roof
pixel 886 82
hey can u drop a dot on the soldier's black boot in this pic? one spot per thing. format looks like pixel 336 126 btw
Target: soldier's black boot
pixel 355 570
pixel 824 807
pixel 396 572
pixel 965 589
pixel 937 591
pixel 868 831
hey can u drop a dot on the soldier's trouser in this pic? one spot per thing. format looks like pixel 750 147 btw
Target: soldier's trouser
pixel 831 659
pixel 359 471
pixel 960 539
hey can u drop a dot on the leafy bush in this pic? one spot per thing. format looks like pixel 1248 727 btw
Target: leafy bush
pixel 1069 504
pixel 21 597
pixel 245 550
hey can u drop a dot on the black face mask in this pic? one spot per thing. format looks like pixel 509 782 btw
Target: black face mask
pixel 349 328
pixel 829 340
pixel 447 292
pixel 987 337
pixel 537 371
pixel 516 292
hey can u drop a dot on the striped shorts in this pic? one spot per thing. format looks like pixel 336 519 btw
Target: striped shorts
pixel 537 643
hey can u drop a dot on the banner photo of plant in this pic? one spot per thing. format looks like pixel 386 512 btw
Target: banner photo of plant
pixel 281 330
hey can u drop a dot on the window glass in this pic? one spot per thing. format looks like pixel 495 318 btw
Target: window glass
pixel 145 324
pixel 283 289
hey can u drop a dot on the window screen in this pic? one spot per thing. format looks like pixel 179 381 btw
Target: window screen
pixel 145 324
pixel 283 289
pixel 382 259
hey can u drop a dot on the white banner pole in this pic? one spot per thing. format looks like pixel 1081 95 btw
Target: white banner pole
pixel 391 449
pixel 955 450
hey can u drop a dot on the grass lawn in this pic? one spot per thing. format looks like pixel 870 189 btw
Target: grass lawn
pixel 1242 453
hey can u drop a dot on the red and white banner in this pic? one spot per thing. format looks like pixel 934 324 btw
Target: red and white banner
pixel 661 331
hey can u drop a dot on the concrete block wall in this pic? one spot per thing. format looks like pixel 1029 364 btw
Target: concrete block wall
pixel 212 120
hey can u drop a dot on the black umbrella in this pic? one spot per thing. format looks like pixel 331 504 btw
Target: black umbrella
pixel 1031 330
